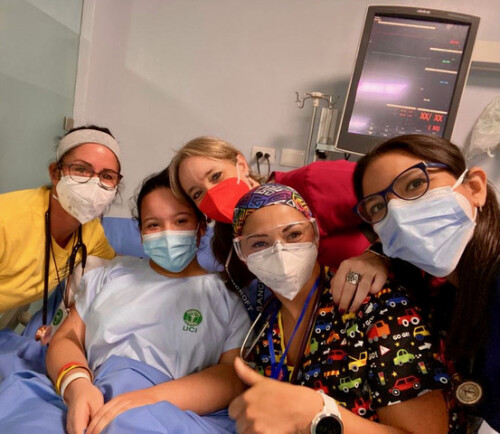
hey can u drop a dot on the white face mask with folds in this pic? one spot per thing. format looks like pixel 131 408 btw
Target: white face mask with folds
pixel 84 201
pixel 284 268
pixel 430 232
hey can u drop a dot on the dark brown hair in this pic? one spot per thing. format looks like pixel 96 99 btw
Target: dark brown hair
pixel 222 243
pixel 152 183
pixel 479 265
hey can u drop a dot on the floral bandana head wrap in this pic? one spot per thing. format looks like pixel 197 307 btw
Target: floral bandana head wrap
pixel 265 195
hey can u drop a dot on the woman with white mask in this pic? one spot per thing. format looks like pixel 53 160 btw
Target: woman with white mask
pixel 214 175
pixel 46 231
pixel 361 363
pixel 432 212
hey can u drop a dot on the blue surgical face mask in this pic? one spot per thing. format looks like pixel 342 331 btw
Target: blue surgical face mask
pixel 171 250
pixel 430 232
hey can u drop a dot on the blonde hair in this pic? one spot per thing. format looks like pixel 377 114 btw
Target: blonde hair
pixel 204 146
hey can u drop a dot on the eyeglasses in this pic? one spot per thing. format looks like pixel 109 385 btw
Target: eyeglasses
pixel 79 172
pixel 295 232
pixel 408 185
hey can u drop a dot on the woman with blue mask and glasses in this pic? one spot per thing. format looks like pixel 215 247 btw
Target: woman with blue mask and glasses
pixel 433 212
pixel 154 336
pixel 374 366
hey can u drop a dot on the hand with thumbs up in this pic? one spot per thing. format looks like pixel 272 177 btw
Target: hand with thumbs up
pixel 271 406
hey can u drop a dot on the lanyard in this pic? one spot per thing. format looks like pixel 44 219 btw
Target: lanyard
pixel 277 368
pixel 261 288
pixel 246 301
pixel 48 246
pixel 42 331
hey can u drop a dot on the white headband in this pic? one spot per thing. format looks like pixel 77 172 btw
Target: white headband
pixel 79 137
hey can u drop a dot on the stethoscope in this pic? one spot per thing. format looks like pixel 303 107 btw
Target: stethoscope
pixel 269 312
pixel 43 331
pixel 246 349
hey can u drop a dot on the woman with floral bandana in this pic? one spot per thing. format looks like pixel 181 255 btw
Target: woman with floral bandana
pixel 214 175
pixel 375 370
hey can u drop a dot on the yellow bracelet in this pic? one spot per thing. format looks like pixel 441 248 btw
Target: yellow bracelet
pixel 68 369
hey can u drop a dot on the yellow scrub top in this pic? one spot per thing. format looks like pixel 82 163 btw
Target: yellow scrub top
pixel 22 247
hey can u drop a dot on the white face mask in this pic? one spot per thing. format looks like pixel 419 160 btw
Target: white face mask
pixel 430 232
pixel 84 201
pixel 284 268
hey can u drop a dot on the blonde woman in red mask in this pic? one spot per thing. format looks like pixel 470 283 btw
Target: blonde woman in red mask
pixel 214 176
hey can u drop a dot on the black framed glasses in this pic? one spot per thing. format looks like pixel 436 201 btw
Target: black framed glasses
pixel 410 184
pixel 82 173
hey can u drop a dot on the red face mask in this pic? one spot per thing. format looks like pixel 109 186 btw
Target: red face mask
pixel 219 201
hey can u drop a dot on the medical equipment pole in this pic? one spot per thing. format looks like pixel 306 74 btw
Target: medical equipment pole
pixel 316 97
pixel 311 130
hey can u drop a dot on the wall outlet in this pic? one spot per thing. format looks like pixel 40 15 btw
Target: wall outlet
pixel 293 157
pixel 270 151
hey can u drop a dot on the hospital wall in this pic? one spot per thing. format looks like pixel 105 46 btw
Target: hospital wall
pixel 160 72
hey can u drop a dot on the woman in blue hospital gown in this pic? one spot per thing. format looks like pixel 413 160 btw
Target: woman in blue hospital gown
pixel 157 338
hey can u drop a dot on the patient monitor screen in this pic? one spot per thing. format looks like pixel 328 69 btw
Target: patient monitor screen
pixel 408 77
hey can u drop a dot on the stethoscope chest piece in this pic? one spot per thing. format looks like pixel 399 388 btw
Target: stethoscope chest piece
pixel 43 334
pixel 468 392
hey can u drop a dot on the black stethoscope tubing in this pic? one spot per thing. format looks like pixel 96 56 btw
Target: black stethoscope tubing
pixel 71 263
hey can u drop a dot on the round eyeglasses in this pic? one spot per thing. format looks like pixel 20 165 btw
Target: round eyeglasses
pixel 79 172
pixel 287 233
pixel 410 184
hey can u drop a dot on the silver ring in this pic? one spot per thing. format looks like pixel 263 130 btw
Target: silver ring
pixel 353 278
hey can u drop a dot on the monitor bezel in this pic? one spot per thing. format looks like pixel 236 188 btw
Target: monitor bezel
pixel 360 144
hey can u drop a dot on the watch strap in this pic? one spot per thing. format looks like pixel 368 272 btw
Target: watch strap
pixel 329 405
pixel 330 409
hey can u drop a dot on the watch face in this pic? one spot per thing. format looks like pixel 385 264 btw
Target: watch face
pixel 329 425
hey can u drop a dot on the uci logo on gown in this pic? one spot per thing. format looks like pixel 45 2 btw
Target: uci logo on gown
pixel 192 318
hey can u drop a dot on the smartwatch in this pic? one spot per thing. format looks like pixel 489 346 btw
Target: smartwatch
pixel 328 420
